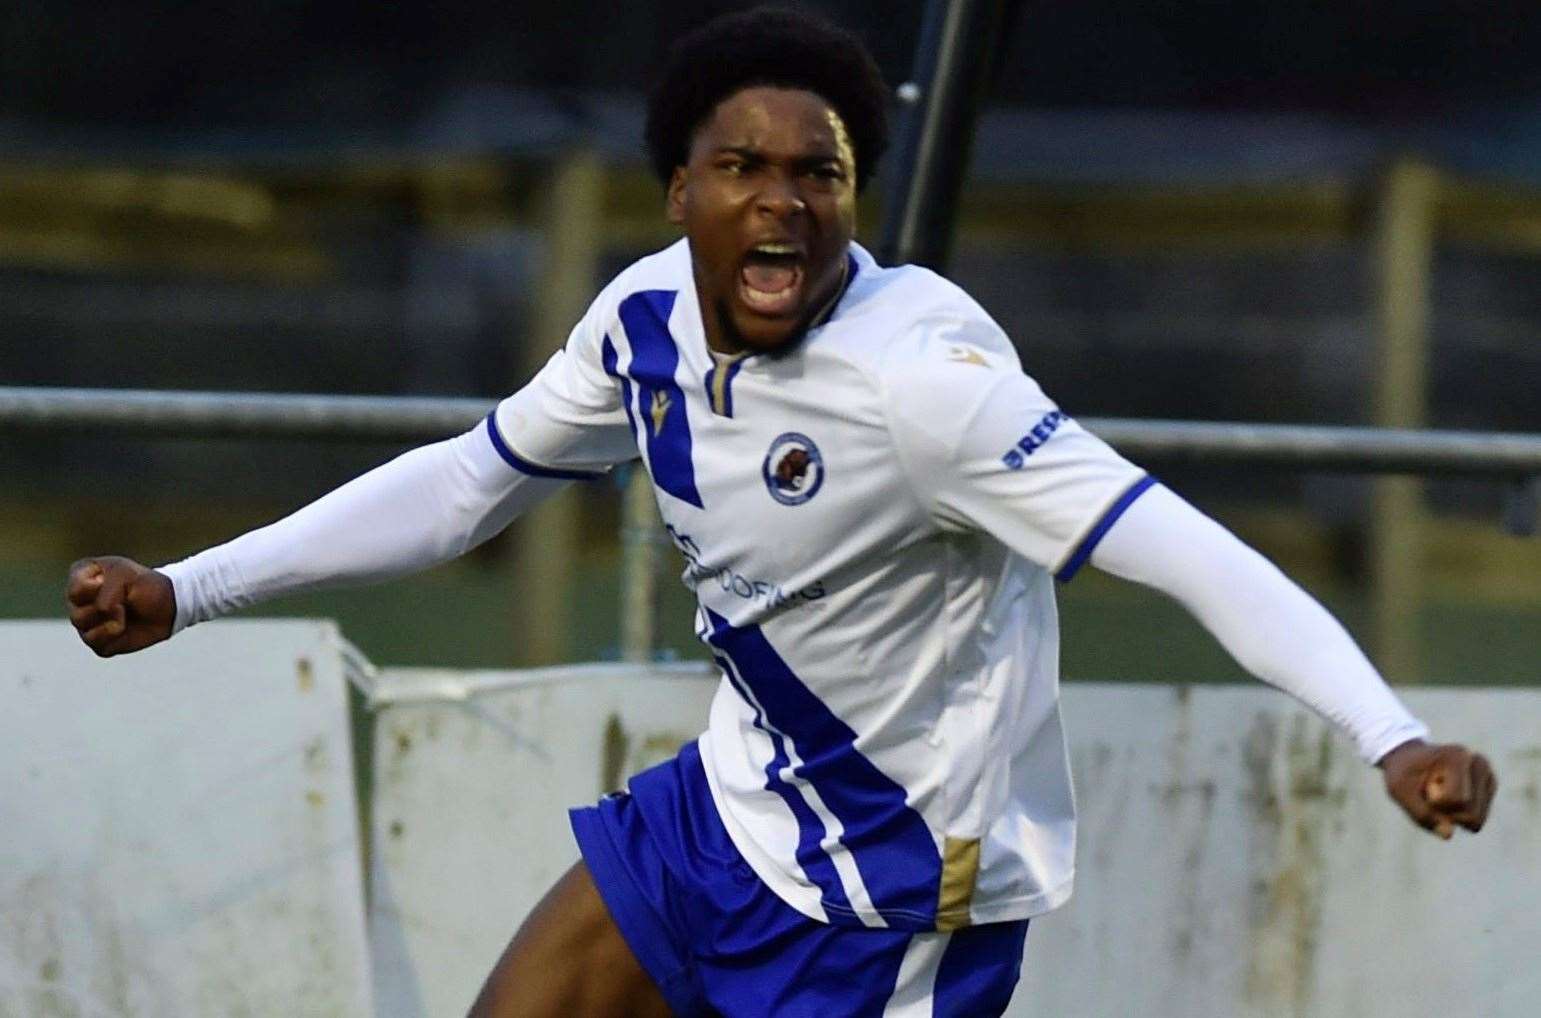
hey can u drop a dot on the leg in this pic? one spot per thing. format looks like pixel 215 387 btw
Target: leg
pixel 569 960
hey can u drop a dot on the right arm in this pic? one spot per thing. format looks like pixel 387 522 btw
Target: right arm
pixel 422 508
pixel 419 510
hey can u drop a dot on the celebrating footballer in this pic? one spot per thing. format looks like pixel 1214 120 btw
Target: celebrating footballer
pixel 881 800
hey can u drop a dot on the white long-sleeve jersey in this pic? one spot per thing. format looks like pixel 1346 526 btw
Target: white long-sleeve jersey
pixel 872 524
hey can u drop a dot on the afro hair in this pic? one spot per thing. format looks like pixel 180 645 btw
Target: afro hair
pixel 766 46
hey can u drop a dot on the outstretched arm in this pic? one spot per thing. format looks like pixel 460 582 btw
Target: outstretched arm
pixel 420 509
pixel 1285 637
pixel 1004 459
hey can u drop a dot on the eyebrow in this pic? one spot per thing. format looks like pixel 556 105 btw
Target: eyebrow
pixel 749 152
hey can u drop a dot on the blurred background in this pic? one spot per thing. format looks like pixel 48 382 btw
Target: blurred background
pixel 1291 212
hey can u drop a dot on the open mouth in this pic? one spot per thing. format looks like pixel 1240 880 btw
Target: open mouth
pixel 771 280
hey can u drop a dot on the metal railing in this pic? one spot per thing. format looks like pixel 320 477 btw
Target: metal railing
pixel 1512 456
pixel 1513 459
pixel 239 414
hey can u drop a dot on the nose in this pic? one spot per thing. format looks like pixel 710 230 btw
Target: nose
pixel 779 197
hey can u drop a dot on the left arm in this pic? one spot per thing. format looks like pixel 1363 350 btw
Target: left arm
pixel 1285 637
pixel 1002 458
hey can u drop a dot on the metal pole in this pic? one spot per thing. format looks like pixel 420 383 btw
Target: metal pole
pixel 936 130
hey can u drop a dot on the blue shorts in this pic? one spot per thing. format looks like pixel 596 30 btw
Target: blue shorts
pixel 717 940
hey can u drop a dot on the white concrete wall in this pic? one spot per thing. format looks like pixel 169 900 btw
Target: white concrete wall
pixel 470 807
pixel 1236 859
pixel 178 838
pixel 178 828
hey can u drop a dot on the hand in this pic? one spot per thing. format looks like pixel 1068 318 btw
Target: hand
pixel 119 606
pixel 1440 785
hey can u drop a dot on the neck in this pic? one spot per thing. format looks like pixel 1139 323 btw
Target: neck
pixel 828 307
pixel 723 338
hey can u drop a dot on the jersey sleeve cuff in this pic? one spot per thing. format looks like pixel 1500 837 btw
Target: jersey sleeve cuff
pixel 182 591
pixel 525 466
pixel 1083 550
pixel 1375 745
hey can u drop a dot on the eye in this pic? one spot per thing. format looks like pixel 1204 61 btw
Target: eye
pixel 733 166
pixel 825 176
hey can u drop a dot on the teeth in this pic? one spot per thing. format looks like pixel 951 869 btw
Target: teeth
pixel 775 249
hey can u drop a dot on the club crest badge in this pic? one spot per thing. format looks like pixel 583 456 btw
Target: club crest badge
pixel 793 469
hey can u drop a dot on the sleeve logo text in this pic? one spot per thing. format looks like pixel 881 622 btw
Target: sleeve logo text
pixel 1031 442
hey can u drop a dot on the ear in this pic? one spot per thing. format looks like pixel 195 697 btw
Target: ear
pixel 676 200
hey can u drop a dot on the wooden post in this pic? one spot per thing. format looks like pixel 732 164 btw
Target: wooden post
pixel 640 530
pixel 548 537
pixel 1404 253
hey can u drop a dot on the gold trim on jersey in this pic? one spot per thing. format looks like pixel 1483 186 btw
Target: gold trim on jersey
pixel 720 372
pixel 960 870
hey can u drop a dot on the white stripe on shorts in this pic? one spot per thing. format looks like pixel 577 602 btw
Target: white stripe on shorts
pixel 917 976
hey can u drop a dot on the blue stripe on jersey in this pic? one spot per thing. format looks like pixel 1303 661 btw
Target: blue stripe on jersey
pixel 727 385
pixel 815 862
pixel 978 970
pixel 524 466
pixel 660 402
pixel 608 358
pixel 890 843
pixel 1089 543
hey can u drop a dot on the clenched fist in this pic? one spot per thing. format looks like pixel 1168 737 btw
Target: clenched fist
pixel 119 606
pixel 1440 785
